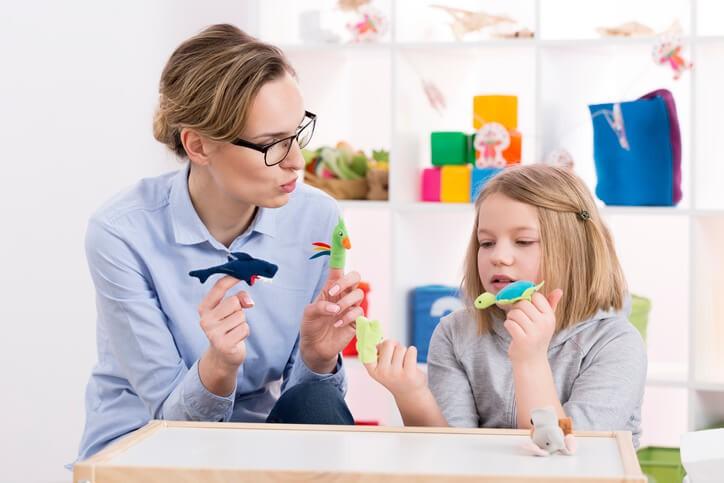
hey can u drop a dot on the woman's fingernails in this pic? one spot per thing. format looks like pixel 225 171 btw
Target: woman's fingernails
pixel 338 323
pixel 333 290
pixel 247 299
pixel 332 308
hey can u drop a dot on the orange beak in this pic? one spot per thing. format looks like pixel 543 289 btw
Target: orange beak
pixel 346 243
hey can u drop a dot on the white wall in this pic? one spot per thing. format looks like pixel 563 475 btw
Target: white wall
pixel 78 86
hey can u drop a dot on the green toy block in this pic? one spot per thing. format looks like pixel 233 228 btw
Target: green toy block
pixel 662 465
pixel 449 148
pixel 369 334
pixel 470 148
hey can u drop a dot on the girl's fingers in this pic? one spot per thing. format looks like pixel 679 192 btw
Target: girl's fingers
pixel 385 349
pixel 529 309
pixel 409 364
pixel 515 331
pixel 519 317
pixel 398 356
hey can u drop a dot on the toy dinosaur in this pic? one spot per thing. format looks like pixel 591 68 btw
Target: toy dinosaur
pixel 242 266
pixel 550 434
pixel 336 251
pixel 510 294
pixel 369 334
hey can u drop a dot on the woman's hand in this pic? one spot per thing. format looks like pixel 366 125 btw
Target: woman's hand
pixel 396 369
pixel 328 322
pixel 531 325
pixel 224 324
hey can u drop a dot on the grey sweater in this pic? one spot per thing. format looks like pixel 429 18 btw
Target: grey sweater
pixel 598 365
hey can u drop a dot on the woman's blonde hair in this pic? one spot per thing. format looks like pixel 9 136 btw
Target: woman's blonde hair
pixel 577 250
pixel 209 83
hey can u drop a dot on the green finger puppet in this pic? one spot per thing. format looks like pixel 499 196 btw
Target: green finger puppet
pixel 337 250
pixel 369 334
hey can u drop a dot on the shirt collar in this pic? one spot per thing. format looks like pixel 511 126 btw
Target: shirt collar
pixel 188 228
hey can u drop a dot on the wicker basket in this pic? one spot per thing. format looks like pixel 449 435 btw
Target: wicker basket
pixel 341 189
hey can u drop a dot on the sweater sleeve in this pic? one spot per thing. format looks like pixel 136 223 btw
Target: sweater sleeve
pixel 448 380
pixel 607 394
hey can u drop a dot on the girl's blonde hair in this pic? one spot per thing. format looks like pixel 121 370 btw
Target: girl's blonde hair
pixel 577 251
pixel 209 83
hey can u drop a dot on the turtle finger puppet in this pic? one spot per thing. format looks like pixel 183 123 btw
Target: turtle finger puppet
pixel 510 294
pixel 550 434
pixel 242 266
pixel 335 250
pixel 369 334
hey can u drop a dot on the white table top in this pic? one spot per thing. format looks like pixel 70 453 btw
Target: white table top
pixel 365 452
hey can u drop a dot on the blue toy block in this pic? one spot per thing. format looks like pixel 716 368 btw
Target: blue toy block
pixel 429 303
pixel 480 176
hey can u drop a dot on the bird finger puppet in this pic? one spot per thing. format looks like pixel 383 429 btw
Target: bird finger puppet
pixel 668 51
pixel 549 434
pixel 510 294
pixel 335 250
pixel 242 266
pixel 369 334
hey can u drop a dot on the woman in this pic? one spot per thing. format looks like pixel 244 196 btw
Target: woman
pixel 170 347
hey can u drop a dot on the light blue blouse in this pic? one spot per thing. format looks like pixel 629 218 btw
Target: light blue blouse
pixel 140 247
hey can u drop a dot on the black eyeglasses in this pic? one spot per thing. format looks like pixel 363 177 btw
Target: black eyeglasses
pixel 276 152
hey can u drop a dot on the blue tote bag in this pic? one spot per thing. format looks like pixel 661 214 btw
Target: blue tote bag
pixel 637 151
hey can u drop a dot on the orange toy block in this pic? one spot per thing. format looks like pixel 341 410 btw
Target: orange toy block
pixel 496 108
pixel 512 154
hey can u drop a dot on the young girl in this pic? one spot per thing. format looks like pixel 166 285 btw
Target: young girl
pixel 571 347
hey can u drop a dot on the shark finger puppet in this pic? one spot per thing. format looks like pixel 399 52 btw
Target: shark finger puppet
pixel 549 434
pixel 369 334
pixel 510 294
pixel 242 266
pixel 336 251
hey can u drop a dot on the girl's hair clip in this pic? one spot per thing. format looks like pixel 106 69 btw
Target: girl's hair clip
pixel 584 215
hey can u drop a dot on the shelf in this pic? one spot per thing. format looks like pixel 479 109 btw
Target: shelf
pixel 363 205
pixel 454 45
pixel 319 47
pixel 708 386
pixel 606 42
pixel 667 375
pixel 373 95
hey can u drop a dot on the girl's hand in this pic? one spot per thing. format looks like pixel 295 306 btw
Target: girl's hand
pixel 328 322
pixel 396 369
pixel 531 325
pixel 224 323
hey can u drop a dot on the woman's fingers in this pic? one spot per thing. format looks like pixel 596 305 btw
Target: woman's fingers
pixel 340 285
pixel 216 294
pixel 350 317
pixel 235 336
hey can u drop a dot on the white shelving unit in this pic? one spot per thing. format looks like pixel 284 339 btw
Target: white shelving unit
pixel 371 95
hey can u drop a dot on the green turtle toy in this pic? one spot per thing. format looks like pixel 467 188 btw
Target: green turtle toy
pixel 510 294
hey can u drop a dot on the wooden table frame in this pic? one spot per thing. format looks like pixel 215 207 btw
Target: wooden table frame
pixel 100 469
